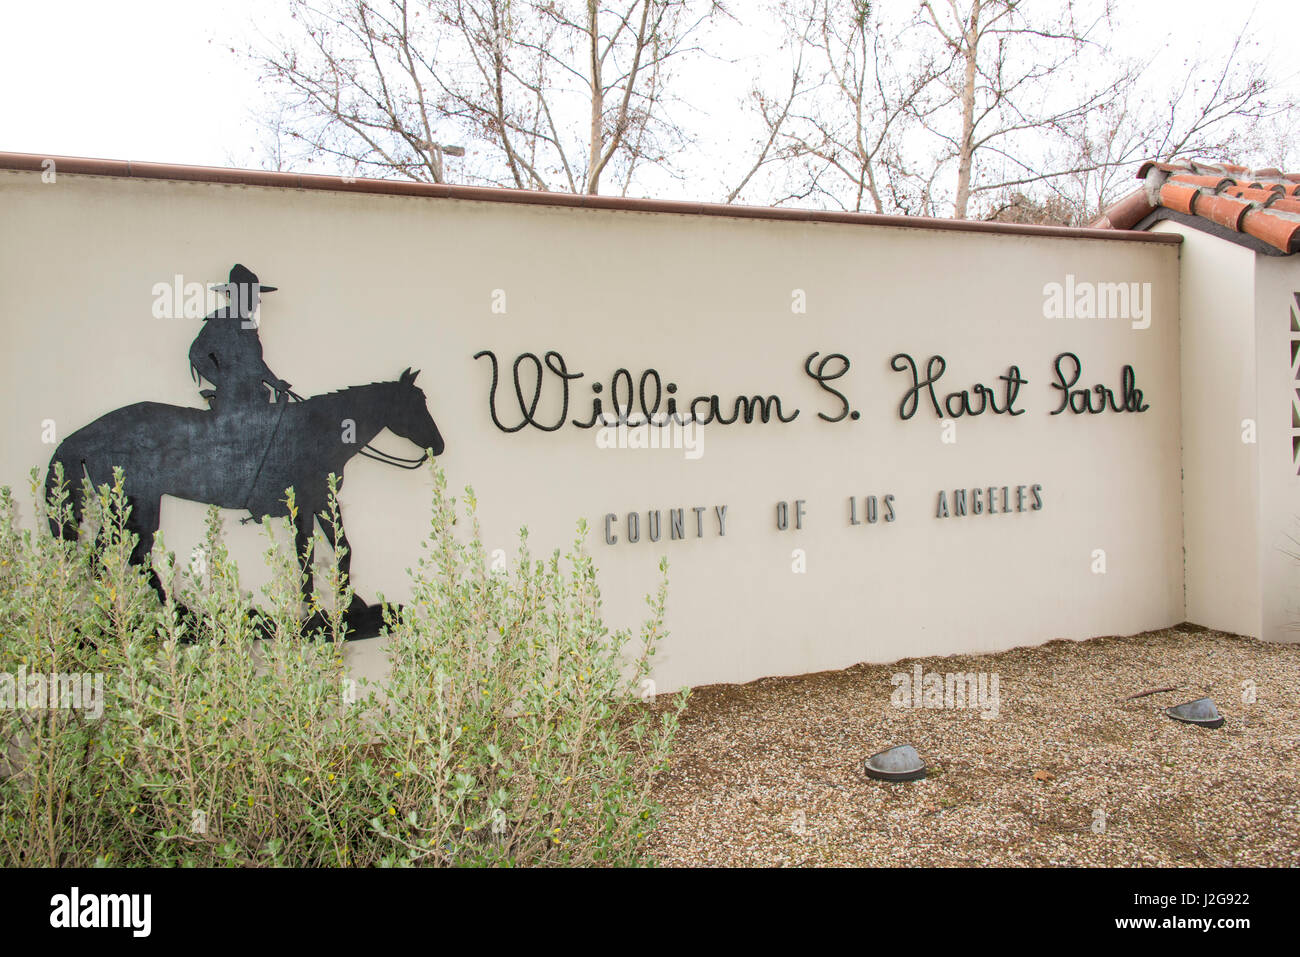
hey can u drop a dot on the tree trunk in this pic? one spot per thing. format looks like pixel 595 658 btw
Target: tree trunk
pixel 966 150
pixel 596 147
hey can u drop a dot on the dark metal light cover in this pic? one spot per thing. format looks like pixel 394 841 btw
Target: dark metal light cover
pixel 1201 712
pixel 899 763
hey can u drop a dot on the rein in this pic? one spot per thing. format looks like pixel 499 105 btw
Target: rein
pixel 393 460
pixel 370 452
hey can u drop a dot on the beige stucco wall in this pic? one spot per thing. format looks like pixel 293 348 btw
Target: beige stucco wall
pixel 1277 281
pixel 372 284
pixel 1220 470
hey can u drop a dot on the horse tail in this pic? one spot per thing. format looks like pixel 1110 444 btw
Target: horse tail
pixel 67 525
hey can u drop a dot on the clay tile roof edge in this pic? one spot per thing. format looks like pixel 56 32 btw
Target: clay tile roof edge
pixel 1280 230
pixel 1256 208
pixel 1165 167
pixel 1126 212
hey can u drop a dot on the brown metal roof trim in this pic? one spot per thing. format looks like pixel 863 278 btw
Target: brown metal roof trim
pixel 32 162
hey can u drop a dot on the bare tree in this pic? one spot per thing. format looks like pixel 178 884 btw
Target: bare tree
pixel 1020 80
pixel 838 126
pixel 270 150
pixel 774 111
pixel 542 95
pixel 963 102
pixel 997 108
pixel 1225 107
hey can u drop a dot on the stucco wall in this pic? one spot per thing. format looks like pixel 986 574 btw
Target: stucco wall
pixel 372 284
pixel 1220 471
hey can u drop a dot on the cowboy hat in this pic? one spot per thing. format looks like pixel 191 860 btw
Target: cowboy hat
pixel 241 275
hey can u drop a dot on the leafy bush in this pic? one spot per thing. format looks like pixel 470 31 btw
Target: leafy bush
pixel 512 729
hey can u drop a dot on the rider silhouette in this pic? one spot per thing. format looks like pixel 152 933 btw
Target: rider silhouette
pixel 227 351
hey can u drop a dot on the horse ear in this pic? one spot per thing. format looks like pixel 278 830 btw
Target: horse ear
pixel 414 374
pixel 406 376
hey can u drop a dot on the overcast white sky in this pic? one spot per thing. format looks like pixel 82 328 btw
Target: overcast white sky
pixel 157 79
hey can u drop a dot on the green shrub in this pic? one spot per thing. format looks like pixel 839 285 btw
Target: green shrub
pixel 512 729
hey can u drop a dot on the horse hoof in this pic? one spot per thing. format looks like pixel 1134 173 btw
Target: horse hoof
pixel 364 621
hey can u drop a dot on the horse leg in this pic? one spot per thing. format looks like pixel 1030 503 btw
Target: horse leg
pixel 345 560
pixel 304 526
pixel 146 516
pixel 337 542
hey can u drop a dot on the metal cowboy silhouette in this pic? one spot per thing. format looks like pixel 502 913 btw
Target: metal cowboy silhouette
pixel 227 351
pixel 243 453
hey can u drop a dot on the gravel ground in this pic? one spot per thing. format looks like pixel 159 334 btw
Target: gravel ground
pixel 770 773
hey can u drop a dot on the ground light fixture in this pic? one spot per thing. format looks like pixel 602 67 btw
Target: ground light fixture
pixel 899 763
pixel 1202 712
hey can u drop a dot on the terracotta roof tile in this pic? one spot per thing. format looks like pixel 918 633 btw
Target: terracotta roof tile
pixel 1261 203
pixel 1215 183
pixel 1223 210
pixel 1179 197
pixel 1280 230
pixel 1131 209
pixel 1256 194
pixel 1152 164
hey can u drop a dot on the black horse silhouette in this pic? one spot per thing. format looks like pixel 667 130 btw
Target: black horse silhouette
pixel 244 458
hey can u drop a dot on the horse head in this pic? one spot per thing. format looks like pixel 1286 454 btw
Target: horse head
pixel 411 418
